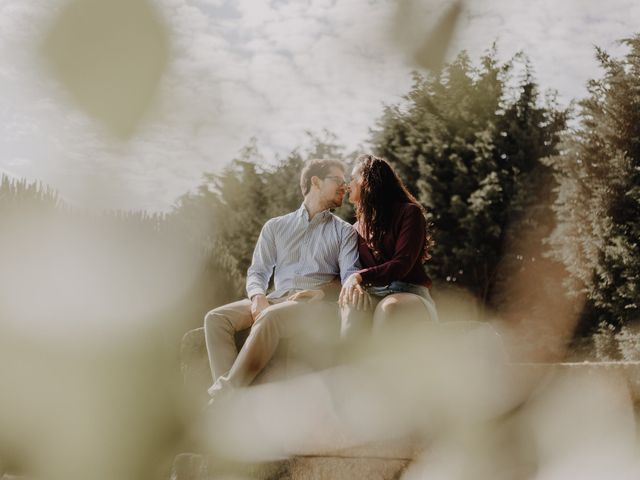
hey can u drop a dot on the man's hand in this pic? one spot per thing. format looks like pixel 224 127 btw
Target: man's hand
pixel 307 296
pixel 258 303
pixel 353 294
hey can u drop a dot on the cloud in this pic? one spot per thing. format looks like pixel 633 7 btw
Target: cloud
pixel 557 36
pixel 270 70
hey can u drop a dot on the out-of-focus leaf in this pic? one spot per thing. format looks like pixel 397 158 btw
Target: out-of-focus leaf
pixel 426 48
pixel 430 54
pixel 109 55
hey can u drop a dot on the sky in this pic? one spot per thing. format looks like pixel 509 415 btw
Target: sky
pixel 272 70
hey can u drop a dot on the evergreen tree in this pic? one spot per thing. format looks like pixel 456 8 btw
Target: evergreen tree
pixel 469 147
pixel 598 193
pixel 18 196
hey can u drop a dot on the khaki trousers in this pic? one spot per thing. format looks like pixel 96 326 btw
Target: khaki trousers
pixel 282 319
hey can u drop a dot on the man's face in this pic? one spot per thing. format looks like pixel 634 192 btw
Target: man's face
pixel 333 188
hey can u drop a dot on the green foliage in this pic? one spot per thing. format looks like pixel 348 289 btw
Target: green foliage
pixel 598 193
pixel 228 210
pixel 469 146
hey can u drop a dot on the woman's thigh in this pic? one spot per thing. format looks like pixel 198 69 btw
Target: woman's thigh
pixel 400 308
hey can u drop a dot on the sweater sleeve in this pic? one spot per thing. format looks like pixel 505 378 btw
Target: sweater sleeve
pixel 408 250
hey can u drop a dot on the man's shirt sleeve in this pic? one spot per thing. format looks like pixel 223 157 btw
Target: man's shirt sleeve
pixel 263 261
pixel 349 259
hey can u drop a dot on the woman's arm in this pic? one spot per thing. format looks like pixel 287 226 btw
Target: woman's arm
pixel 408 249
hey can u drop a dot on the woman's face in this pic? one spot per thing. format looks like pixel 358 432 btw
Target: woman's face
pixel 355 185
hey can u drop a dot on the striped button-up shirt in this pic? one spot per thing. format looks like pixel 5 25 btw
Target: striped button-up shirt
pixel 304 253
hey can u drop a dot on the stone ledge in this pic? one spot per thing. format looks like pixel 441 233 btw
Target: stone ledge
pixel 188 466
pixel 346 468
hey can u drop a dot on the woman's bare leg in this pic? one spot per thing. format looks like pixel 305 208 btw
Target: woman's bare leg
pixel 400 310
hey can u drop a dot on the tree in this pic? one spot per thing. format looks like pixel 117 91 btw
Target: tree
pixel 598 193
pixel 228 210
pixel 18 196
pixel 469 146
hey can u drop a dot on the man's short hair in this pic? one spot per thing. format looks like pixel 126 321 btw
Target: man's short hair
pixel 319 168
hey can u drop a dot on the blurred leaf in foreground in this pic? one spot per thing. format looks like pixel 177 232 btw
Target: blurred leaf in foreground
pixel 109 55
pixel 426 48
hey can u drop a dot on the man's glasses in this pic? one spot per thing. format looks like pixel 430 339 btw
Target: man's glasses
pixel 339 180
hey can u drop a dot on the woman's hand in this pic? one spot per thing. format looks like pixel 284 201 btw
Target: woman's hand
pixel 307 296
pixel 352 293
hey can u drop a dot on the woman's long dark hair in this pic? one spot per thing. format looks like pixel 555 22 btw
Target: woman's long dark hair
pixel 381 190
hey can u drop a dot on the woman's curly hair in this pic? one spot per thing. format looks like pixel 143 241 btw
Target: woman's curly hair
pixel 381 190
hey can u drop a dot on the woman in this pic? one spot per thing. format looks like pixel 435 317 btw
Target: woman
pixel 393 242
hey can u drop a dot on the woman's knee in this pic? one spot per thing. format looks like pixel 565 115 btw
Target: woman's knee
pixel 388 305
pixel 399 306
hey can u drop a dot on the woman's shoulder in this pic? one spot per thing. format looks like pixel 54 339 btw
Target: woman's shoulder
pixel 408 208
pixel 408 205
pixel 410 213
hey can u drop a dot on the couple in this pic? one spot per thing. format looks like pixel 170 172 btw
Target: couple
pixel 378 260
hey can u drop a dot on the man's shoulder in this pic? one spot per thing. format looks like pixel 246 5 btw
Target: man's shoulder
pixel 280 220
pixel 342 226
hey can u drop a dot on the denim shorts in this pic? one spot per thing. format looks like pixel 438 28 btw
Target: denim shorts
pixel 399 287
pixel 404 287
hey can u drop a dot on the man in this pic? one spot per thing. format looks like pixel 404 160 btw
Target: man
pixel 307 248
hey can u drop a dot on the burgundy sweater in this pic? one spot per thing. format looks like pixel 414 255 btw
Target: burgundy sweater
pixel 401 252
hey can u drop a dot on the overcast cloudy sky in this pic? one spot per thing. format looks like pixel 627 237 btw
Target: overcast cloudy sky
pixel 270 70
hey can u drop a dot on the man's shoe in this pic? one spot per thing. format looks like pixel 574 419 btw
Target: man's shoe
pixel 218 392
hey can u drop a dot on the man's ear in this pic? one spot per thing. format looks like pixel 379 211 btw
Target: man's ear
pixel 315 181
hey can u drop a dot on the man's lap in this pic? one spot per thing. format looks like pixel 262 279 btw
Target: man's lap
pixel 293 318
pixel 289 312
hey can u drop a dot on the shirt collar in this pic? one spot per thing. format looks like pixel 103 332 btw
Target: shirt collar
pixel 303 213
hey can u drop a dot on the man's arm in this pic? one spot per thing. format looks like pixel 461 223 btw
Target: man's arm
pixel 259 273
pixel 351 293
pixel 348 259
